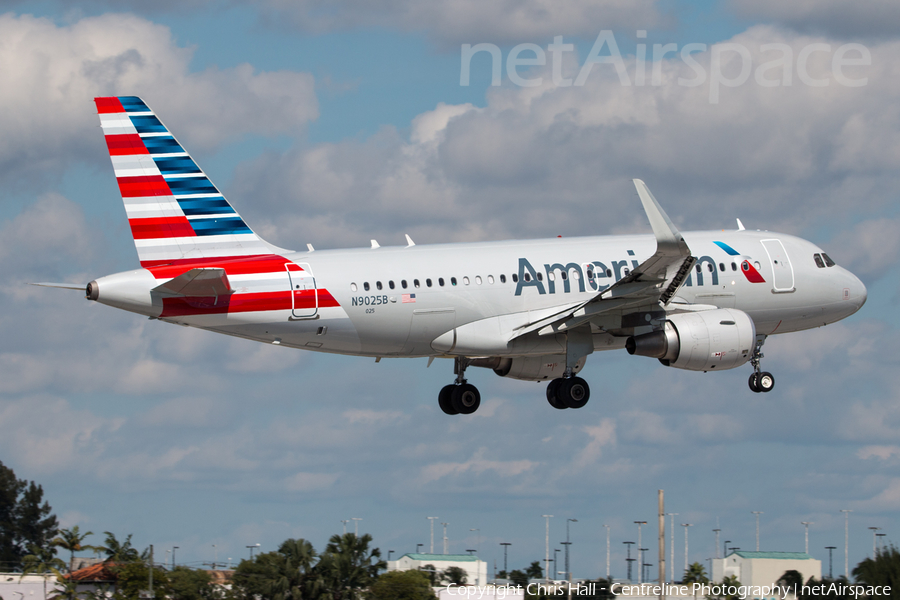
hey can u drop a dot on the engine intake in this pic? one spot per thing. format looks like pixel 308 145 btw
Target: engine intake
pixel 700 341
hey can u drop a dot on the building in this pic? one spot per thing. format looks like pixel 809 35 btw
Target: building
pixel 764 568
pixel 15 586
pixel 476 570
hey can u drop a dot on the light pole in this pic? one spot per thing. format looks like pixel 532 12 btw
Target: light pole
pixel 686 525
pixel 726 548
pixel 445 540
pixel 568 543
pixel 555 568
pixel 874 540
pixel 672 546
pixel 640 552
pixel 477 552
pixel 174 548
pixel 607 552
pixel 846 541
pixel 356 521
pixel 547 548
pixel 418 546
pixel 389 554
pixel 215 556
pixel 717 530
pixel 252 548
pixel 757 513
pixel 431 522
pixel 345 521
pixel 881 535
pixel 806 524
pixel 830 549
pixel 628 560
pixel 505 545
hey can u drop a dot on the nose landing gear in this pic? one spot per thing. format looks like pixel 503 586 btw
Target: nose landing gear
pixel 760 381
pixel 459 398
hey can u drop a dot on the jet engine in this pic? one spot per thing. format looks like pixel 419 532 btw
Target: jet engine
pixel 700 341
pixel 528 368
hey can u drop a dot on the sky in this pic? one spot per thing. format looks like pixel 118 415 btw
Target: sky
pixel 333 123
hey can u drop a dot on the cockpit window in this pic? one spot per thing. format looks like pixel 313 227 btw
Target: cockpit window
pixel 819 262
pixel 828 261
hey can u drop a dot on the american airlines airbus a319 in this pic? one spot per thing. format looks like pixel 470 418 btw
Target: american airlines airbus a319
pixel 532 310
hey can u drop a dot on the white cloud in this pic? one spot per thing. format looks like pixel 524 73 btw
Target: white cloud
pixel 52 73
pixel 843 18
pixel 470 21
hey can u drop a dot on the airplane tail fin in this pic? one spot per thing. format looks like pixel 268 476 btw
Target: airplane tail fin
pixel 175 212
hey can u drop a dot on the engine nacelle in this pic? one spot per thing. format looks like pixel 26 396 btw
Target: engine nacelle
pixel 528 368
pixel 700 341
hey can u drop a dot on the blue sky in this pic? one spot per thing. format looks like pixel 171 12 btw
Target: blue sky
pixel 337 125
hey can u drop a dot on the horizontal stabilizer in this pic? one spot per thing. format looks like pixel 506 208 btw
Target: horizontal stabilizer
pixel 65 286
pixel 197 282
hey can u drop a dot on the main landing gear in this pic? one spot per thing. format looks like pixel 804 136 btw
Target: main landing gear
pixel 459 398
pixel 760 381
pixel 568 392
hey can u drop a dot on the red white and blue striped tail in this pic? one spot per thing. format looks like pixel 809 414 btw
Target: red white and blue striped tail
pixel 175 212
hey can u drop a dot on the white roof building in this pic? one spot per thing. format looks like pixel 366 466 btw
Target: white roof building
pixel 764 568
pixel 476 570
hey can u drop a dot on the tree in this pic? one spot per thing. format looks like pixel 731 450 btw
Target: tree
pixel 347 567
pixel 695 574
pixel 119 552
pixel 402 585
pixel 534 570
pixel 71 540
pixel 134 577
pixel 431 572
pixel 884 569
pixel 287 574
pixel 454 575
pixel 25 519
pixel 790 578
pixel 191 584
pixel 730 582
pixel 519 578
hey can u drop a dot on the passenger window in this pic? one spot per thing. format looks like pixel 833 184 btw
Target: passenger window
pixel 527 277
pixel 378 285
pixel 609 272
pixel 722 267
pixel 366 285
pixel 709 267
pixel 502 278
pixel 453 281
pixel 551 276
pixel 477 280
pixel 699 268
pixel 590 273
pixel 428 282
pixel 491 279
pixel 403 283
pixel 353 287
pixel 563 275
pixel 828 261
pixel 819 262
pixel 466 280
pixel 515 278
pixel 733 267
pixel 575 275
pixel 441 281
pixel 416 283
pixel 391 284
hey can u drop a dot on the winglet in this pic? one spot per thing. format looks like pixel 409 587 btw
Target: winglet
pixel 663 228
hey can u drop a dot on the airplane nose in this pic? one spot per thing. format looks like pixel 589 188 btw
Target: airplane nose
pixel 858 292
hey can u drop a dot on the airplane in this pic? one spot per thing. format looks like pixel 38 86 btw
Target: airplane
pixel 532 310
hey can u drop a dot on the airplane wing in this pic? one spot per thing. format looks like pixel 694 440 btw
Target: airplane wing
pixel 198 283
pixel 642 293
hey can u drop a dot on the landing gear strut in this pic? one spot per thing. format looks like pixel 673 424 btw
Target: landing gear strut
pixel 568 392
pixel 459 398
pixel 760 381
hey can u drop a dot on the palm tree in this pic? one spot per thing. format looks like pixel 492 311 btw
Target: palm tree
pixel 119 552
pixel 292 574
pixel 41 561
pixel 71 540
pixel 348 567
pixel 695 574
